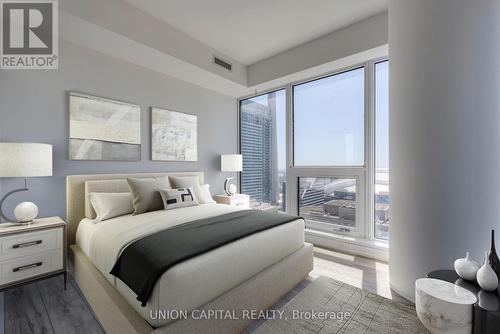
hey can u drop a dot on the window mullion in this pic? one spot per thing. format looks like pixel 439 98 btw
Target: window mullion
pixel 370 149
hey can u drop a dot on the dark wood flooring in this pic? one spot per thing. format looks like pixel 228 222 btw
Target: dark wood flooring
pixel 45 307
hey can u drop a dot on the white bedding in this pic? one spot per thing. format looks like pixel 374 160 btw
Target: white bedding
pixel 196 281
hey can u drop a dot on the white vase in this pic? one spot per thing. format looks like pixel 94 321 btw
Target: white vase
pixel 466 268
pixel 486 277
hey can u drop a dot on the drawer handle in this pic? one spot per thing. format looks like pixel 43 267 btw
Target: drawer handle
pixel 29 266
pixel 27 244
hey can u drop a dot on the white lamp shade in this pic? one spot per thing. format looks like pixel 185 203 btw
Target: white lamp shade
pixel 231 162
pixel 25 159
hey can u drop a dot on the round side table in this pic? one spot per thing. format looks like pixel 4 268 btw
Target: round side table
pixel 444 307
pixel 486 318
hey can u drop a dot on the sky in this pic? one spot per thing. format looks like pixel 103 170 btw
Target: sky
pixel 329 120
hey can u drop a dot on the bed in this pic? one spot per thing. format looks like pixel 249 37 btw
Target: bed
pixel 251 273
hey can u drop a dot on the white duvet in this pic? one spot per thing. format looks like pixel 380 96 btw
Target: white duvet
pixel 196 281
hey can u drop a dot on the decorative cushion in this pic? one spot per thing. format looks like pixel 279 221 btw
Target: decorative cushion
pixel 145 194
pixel 178 198
pixel 189 181
pixel 109 205
pixel 204 195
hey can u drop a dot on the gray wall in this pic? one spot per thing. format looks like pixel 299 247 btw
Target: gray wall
pixel 34 108
pixel 444 134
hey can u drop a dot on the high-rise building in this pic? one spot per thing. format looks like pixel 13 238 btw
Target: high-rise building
pixel 258 147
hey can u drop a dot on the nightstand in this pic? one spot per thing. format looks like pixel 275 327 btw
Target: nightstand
pixel 237 200
pixel 32 252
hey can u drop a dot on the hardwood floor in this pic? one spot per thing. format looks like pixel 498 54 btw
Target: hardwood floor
pixel 45 307
pixel 361 272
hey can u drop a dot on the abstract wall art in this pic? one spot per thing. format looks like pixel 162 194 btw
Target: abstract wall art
pixel 103 129
pixel 173 135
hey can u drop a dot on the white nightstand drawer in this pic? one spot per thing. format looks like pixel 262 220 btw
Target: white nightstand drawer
pixel 30 266
pixel 24 244
pixel 240 202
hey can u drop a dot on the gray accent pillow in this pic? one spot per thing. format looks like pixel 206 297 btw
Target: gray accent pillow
pixel 178 198
pixel 145 194
pixel 184 181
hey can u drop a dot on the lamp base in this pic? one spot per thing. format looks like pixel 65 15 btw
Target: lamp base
pixel 229 187
pixel 2 215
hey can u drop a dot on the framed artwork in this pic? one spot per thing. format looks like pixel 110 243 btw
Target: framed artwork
pixel 103 129
pixel 173 136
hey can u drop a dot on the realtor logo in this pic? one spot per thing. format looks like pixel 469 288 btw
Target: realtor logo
pixel 29 37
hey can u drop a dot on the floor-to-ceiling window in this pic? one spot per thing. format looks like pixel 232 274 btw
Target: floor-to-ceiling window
pixel 263 146
pixel 319 149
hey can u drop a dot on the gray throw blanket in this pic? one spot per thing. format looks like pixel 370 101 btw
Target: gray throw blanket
pixel 143 262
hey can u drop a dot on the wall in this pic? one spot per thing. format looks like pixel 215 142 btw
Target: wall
pixel 444 134
pixel 34 108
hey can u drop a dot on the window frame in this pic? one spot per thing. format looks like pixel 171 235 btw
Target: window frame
pixel 373 110
pixel 364 175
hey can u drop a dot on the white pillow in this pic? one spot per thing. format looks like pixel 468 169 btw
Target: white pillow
pixel 204 195
pixel 109 205
pixel 178 198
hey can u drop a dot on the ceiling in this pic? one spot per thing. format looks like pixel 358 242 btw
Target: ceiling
pixel 250 31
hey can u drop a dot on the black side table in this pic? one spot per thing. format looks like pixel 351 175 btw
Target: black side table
pixel 486 318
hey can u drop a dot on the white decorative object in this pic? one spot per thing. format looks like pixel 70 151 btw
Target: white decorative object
pixel 232 189
pixel 25 212
pixel 23 160
pixel 466 268
pixel 173 136
pixel 486 277
pixel 444 307
pixel 231 163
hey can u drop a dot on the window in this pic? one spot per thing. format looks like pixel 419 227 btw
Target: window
pixel 329 148
pixel 382 150
pixel 335 172
pixel 328 203
pixel 263 146
pixel 328 120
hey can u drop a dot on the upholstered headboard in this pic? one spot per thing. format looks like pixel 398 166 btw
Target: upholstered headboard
pixel 77 186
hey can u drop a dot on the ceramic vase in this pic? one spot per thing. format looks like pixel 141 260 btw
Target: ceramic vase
pixel 466 268
pixel 486 277
pixel 494 261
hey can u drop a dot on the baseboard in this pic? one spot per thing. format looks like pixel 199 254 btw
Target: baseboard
pixel 347 246
pixel 396 290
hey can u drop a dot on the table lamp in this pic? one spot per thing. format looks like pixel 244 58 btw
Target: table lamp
pixel 24 160
pixel 231 163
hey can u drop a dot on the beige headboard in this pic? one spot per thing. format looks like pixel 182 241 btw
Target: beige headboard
pixel 75 193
